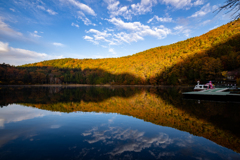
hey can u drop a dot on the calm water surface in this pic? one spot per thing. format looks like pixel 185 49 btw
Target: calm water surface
pixel 115 123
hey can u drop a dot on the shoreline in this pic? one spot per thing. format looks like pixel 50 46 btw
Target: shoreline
pixel 90 85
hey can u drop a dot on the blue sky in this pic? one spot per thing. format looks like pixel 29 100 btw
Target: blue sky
pixel 37 30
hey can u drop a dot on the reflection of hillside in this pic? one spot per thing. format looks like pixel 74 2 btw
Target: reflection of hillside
pixel 214 121
pixel 50 95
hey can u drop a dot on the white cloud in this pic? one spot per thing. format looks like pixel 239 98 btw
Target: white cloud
pixel 103 46
pixel 6 30
pixel 160 19
pixel 178 28
pixel 41 7
pixel 18 56
pixel 3 47
pixel 98 33
pixel 85 20
pixel 140 29
pixel 47 10
pixel 202 12
pixel 58 44
pixel 35 34
pixel 12 9
pixel 90 39
pixel 100 36
pixel 75 25
pixel 128 38
pixel 198 2
pixel 115 9
pixel 121 24
pixel 143 7
pixel 111 50
pixel 83 7
pixel 135 31
pixel 178 3
pixel 112 4
pixel 51 12
pixel 205 22
pixel 182 29
pixel 186 32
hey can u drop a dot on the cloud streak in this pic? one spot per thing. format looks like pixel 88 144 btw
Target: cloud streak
pixel 83 7
pixel 203 11
pixel 159 19
pixel 6 30
pixel 18 56
pixel 180 4
pixel 51 12
pixel 58 44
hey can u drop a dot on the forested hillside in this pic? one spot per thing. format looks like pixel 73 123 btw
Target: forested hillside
pixel 199 58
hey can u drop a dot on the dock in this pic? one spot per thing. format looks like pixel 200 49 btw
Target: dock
pixel 219 94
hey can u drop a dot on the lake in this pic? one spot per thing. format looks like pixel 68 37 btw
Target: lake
pixel 115 123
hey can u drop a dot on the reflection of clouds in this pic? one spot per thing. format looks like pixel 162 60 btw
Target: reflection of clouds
pixel 163 154
pixel 55 126
pixel 136 141
pixel 137 144
pixel 185 142
pixel 86 134
pixel 111 120
pixel 16 113
pixel 1 122
pixel 8 137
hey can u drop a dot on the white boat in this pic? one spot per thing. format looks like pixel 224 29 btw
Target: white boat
pixel 200 87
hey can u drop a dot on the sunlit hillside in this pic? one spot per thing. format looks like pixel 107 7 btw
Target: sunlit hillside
pixel 199 58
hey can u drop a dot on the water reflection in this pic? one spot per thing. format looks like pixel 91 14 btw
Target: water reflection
pixel 133 139
pixel 91 135
pixel 15 113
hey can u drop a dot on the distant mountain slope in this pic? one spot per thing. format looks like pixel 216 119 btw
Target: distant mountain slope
pixel 199 58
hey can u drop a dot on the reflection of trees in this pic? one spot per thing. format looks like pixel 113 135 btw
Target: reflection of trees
pixel 46 95
pixel 163 106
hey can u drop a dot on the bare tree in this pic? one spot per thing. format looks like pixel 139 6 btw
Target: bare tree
pixel 231 6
